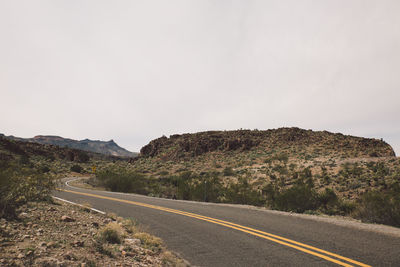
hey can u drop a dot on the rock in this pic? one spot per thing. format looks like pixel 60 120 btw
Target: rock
pixel 78 243
pixel 70 256
pixel 23 215
pixel 66 218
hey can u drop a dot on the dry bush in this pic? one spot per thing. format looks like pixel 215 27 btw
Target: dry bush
pixel 111 233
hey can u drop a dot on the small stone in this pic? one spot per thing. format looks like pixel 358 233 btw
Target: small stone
pixel 23 215
pixel 66 218
pixel 78 243
pixel 69 256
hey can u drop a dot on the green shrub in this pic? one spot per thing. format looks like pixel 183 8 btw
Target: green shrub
pixel 228 171
pixel 76 168
pixel 122 180
pixel 149 241
pixel 17 187
pixel 380 207
pixel 243 192
pixel 297 198
pixel 111 233
pixel 44 169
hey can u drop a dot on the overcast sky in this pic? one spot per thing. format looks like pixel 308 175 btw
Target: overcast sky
pixel 133 71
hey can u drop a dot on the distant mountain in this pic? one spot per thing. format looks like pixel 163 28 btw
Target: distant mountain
pixel 103 147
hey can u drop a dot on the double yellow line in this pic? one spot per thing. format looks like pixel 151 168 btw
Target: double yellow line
pixel 326 255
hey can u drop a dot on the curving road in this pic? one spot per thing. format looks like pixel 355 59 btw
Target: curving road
pixel 208 234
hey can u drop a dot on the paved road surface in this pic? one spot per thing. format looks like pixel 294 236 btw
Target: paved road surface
pixel 209 234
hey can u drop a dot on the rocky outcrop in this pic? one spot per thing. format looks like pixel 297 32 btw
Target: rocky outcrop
pixel 191 145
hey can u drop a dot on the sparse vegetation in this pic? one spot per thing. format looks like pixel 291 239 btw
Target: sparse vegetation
pixel 19 187
pixel 285 169
pixel 111 233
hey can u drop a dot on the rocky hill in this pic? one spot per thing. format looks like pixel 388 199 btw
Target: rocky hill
pixel 348 165
pixel 102 147
pixel 191 145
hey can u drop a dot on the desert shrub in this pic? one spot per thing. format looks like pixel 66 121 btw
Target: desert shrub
pixel 111 233
pixel 122 180
pixel 380 207
pixel 328 198
pixel 207 188
pixel 297 198
pixel 283 157
pixel 184 188
pixel 228 171
pixel 19 187
pixel 76 168
pixel 44 169
pixel 242 192
pixel 149 241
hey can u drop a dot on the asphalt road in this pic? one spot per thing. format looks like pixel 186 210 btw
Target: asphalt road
pixel 208 234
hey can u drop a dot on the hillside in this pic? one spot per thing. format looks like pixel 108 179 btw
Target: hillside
pixel 278 158
pixel 102 147
pixel 191 145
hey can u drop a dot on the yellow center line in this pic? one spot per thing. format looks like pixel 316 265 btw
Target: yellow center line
pixel 275 238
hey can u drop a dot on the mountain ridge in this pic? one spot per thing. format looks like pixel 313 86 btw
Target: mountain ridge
pixel 103 147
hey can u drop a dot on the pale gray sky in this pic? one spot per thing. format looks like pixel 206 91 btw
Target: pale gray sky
pixel 136 70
